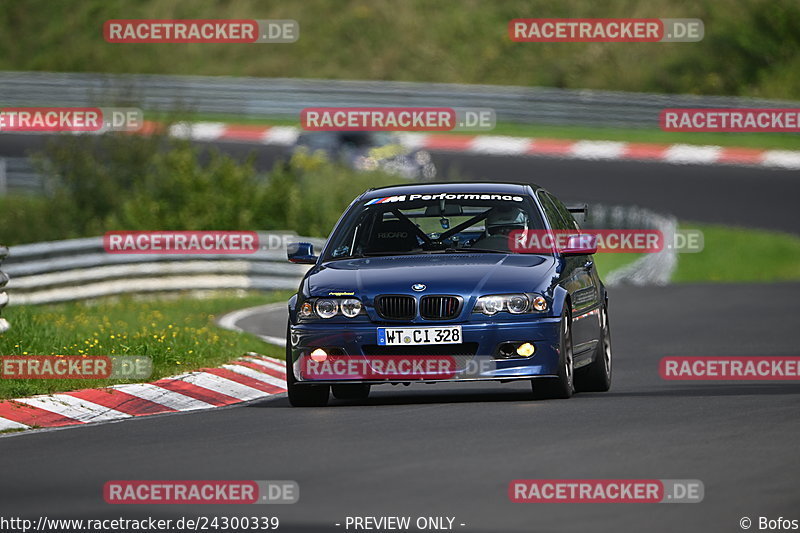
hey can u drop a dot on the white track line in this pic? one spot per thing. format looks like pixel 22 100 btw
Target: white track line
pixel 255 374
pixel 6 424
pixel 223 386
pixel 230 320
pixel 167 398
pixel 72 407
pixel 198 131
pixel 281 135
pixel 280 367
pixel 500 145
pixel 781 159
pixel 598 149
pixel 686 153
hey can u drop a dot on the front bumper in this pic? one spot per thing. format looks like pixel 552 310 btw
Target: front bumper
pixel 351 340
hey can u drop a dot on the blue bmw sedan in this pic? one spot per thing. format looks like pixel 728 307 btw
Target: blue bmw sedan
pixel 425 283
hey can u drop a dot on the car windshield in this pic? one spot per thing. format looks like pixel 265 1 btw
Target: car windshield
pixel 433 223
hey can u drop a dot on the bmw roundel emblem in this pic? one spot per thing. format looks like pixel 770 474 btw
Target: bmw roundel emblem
pixel 418 287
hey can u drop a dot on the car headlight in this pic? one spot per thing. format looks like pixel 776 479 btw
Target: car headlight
pixel 515 304
pixel 351 307
pixel 330 307
pixel 326 308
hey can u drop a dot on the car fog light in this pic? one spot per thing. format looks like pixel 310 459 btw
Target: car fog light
pixel 319 355
pixel 526 349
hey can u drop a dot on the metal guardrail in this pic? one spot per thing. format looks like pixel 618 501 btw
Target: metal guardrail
pixel 650 269
pixel 80 269
pixel 18 175
pixel 3 296
pixel 262 97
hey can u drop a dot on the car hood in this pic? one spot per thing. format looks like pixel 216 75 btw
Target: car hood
pixel 460 274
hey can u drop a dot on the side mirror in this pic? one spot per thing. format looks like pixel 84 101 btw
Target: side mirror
pixel 301 253
pixel 580 244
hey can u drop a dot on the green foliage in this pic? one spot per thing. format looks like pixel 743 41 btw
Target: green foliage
pixel 29 219
pixel 751 47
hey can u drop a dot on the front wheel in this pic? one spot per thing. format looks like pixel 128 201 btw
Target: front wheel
pixel 596 377
pixel 562 386
pixel 303 395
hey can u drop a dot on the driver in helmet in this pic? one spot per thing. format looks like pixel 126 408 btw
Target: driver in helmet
pixel 500 222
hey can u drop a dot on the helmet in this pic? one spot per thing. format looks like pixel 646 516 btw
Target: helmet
pixel 502 220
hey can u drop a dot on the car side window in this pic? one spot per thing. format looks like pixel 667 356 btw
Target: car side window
pixel 551 211
pixel 566 216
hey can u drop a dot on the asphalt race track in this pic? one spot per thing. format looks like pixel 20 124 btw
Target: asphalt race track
pixel 451 450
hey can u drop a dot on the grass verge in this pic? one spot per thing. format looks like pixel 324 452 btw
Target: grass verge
pixel 178 333
pixel 606 263
pixel 733 254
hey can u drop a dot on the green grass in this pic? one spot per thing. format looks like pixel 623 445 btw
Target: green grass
pixel 730 254
pixel 740 255
pixel 608 262
pixel 177 333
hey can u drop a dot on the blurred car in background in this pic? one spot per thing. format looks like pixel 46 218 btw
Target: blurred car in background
pixel 367 150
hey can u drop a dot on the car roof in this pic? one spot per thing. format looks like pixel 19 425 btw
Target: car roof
pixel 450 186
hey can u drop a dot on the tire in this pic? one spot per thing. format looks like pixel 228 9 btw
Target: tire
pixel 350 391
pixel 303 395
pixel 562 386
pixel 596 377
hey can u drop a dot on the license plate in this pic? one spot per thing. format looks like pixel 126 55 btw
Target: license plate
pixel 416 336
